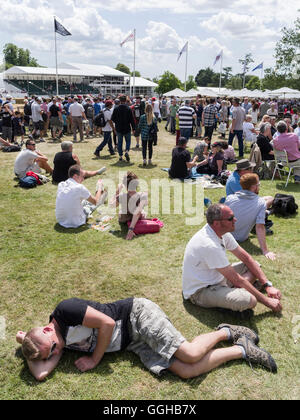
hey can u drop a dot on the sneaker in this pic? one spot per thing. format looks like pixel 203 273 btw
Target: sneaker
pixel 97 154
pixel 144 162
pixel 149 162
pixel 101 170
pixel 257 355
pixel 120 159
pixel 127 157
pixel 42 140
pixel 238 331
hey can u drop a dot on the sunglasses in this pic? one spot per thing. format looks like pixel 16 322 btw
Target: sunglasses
pixel 51 350
pixel 230 219
pixel 31 144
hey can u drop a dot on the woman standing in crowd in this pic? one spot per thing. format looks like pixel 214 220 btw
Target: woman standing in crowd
pixel 148 129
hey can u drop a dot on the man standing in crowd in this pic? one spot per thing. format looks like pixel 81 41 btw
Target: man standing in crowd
pixel 246 105
pixel 37 119
pixel 107 130
pixel 123 119
pixel 138 109
pixel 31 159
pixel 186 114
pixel 56 120
pixel 210 281
pixel 291 143
pixel 6 114
pixel 209 117
pixel 250 210
pixel 77 115
pixel 238 117
pixel 90 113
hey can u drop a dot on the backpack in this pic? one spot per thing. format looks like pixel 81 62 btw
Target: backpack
pixel 27 182
pixel 99 120
pixel 27 109
pixel 284 205
pixel 90 111
pixel 13 148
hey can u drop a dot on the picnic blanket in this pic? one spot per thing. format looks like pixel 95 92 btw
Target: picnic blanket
pixel 207 181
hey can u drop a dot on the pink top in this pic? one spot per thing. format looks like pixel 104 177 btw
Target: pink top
pixel 290 142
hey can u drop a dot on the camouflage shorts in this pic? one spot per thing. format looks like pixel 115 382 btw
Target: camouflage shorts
pixel 154 338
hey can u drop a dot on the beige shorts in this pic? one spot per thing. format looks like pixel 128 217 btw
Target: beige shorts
pixel 223 294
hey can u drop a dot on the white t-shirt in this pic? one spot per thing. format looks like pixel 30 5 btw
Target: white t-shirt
pixel 204 253
pixel 25 162
pixel 36 112
pixel 76 109
pixel 69 210
pixel 107 115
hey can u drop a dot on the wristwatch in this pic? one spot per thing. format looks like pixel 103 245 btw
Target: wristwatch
pixel 130 228
pixel 267 284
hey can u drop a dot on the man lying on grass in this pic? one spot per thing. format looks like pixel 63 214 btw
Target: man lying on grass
pixel 138 325
pixel 210 281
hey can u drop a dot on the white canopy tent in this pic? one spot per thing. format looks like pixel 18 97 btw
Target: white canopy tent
pixel 176 92
pixel 285 92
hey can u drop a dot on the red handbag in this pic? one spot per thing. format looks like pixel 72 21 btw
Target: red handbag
pixel 147 226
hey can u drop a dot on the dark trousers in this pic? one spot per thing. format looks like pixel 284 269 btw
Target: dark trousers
pixel 239 134
pixel 107 140
pixel 148 143
pixel 209 131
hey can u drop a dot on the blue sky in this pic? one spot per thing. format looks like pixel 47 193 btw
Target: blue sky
pixel 163 26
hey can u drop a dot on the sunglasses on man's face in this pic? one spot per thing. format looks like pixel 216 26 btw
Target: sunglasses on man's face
pixel 230 219
pixel 51 350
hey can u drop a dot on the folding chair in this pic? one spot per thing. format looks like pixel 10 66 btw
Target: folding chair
pixel 282 165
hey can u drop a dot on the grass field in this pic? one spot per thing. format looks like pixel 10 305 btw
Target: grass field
pixel 41 264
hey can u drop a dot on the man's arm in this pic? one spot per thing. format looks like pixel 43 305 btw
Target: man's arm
pixel 261 236
pixel 192 163
pixel 95 199
pixel 105 326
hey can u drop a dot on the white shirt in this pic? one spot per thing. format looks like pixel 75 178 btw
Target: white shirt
pixel 204 253
pixel 76 109
pixel 247 127
pixel 25 162
pixel 107 115
pixel 36 112
pixel 69 210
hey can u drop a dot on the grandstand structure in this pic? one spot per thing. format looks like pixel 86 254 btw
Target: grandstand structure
pixel 74 79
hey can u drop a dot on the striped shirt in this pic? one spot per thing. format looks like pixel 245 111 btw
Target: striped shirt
pixel 186 114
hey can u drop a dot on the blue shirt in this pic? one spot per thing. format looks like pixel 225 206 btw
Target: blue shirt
pixel 233 183
pixel 97 108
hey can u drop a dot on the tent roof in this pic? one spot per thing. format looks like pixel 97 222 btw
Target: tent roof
pixel 48 71
pixel 175 92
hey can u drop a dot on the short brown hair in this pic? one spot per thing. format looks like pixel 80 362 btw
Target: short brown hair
pixel 130 176
pixel 30 345
pixel 74 170
pixel 248 180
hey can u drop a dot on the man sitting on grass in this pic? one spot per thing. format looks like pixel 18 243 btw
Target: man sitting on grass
pixel 250 210
pixel 31 159
pixel 137 325
pixel 64 160
pixel 210 281
pixel 71 197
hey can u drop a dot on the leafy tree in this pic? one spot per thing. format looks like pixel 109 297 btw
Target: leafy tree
pixel 15 56
pixel 123 68
pixel 254 83
pixel 206 77
pixel 190 83
pixel 273 80
pixel 246 62
pixel 287 48
pixel 235 83
pixel 137 73
pixel 226 75
pixel 168 81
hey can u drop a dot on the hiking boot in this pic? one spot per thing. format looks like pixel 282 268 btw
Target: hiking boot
pixel 238 331
pixel 257 355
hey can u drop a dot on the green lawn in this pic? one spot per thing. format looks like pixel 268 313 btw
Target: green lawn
pixel 41 264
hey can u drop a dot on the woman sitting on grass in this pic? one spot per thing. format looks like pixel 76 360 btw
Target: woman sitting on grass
pixel 132 203
pixel 215 162
pixel 147 124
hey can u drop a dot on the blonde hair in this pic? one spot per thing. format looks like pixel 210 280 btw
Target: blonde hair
pixel 149 114
pixel 30 345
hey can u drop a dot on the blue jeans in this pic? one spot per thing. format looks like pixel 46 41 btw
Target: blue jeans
pixel 120 142
pixel 239 134
pixel 107 140
pixel 185 132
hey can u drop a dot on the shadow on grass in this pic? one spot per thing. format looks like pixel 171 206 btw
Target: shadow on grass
pixel 122 163
pixel 122 233
pixel 147 166
pixel 71 231
pixel 291 187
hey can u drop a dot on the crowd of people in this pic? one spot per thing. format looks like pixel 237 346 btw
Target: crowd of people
pixel 208 279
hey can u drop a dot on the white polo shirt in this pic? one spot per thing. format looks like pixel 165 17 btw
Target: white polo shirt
pixel 204 253
pixel 76 109
pixel 25 162
pixel 69 210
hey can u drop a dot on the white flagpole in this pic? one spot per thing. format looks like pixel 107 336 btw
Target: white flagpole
pixel 221 70
pixel 133 86
pixel 186 63
pixel 56 59
pixel 261 76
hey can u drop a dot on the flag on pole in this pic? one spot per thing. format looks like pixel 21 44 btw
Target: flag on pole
pixel 183 50
pixel 129 38
pixel 260 66
pixel 218 57
pixel 60 29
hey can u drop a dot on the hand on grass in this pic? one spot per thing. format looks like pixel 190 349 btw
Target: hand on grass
pixel 273 293
pixel 274 304
pixel 85 363
pixel 130 235
pixel 270 255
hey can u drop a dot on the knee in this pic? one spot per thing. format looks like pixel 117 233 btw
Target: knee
pixel 253 302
